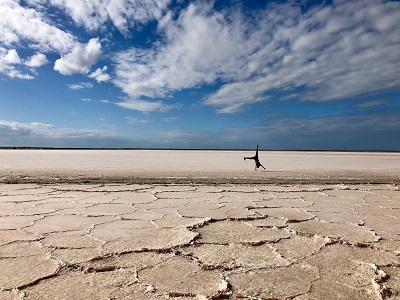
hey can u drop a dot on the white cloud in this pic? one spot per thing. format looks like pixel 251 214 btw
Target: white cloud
pixel 345 49
pixel 93 14
pixel 18 23
pixel 22 129
pixel 14 73
pixel 200 47
pixel 80 59
pixel 336 51
pixel 12 57
pixel 28 28
pixel 40 130
pixel 10 64
pixel 100 75
pixel 231 98
pixel 80 85
pixel 37 27
pixel 37 60
pixel 144 106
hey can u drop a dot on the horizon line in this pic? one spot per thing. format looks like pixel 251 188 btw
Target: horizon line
pixel 193 149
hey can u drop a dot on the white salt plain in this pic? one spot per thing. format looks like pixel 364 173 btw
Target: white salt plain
pixel 200 163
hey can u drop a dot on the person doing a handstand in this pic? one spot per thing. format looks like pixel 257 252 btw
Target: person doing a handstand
pixel 256 160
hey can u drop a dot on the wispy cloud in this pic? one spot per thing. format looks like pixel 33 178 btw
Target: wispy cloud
pixel 336 51
pixel 371 104
pixel 40 130
pixel 200 46
pixel 131 120
pixel 80 85
pixel 171 119
pixel 93 14
pixel 145 106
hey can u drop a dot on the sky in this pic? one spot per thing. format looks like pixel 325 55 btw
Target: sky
pixel 223 74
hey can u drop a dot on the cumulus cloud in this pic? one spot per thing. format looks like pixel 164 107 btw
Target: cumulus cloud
pixel 10 64
pixel 336 51
pixel 100 75
pixel 80 59
pixel 28 27
pixel 12 57
pixel 37 60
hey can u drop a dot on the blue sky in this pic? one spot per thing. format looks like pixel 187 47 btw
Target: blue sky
pixel 200 74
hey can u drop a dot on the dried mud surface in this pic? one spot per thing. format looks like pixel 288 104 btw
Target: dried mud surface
pixel 199 241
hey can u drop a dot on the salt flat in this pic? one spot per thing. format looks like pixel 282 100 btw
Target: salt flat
pixel 199 225
pixel 196 165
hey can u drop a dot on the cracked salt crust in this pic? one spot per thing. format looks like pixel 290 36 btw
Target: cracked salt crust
pixel 227 232
pixel 199 242
pixel 274 283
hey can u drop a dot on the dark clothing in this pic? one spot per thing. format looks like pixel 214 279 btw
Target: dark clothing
pixel 256 160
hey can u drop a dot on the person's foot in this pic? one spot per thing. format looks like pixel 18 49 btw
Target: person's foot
pixel 244 158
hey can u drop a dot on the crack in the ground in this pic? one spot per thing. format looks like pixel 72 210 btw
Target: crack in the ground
pixel 201 255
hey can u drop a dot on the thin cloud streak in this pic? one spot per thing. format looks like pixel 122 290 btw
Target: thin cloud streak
pixel 80 85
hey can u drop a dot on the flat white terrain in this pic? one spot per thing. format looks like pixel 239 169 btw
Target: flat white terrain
pixel 197 163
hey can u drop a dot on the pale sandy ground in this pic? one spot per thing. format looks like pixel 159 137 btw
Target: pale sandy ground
pixel 150 166
pixel 313 226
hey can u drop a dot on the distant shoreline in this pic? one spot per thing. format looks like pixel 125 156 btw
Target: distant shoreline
pixel 200 149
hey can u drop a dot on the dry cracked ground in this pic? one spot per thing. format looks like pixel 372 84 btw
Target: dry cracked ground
pixel 199 242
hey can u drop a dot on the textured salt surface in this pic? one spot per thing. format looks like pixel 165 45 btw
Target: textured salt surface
pixel 131 241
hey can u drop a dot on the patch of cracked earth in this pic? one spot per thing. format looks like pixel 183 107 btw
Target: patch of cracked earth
pixel 199 242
